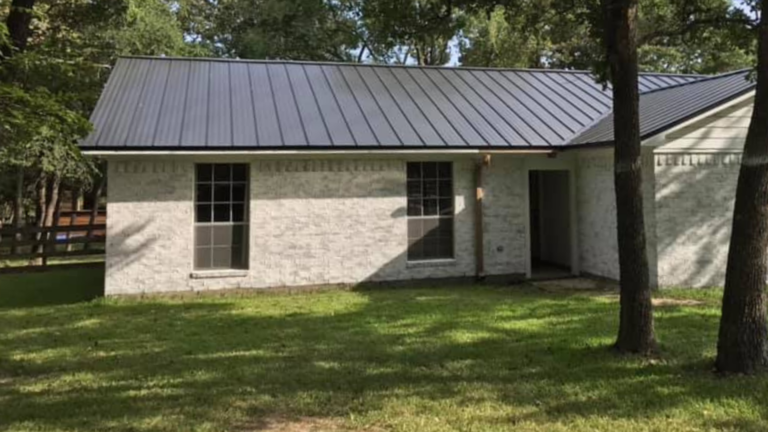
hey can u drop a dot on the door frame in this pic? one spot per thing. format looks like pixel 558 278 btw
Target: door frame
pixel 561 162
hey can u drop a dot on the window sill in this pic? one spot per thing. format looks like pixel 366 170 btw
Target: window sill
pixel 216 274
pixel 432 263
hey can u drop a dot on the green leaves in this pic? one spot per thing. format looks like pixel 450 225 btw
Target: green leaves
pixel 677 36
pixel 49 88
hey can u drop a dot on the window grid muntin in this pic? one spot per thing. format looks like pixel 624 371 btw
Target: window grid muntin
pixel 237 177
pixel 441 194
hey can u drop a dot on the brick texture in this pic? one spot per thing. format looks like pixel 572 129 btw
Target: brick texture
pixel 695 195
pixel 312 222
pixel 596 203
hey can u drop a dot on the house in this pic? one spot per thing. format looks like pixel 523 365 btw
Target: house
pixel 252 174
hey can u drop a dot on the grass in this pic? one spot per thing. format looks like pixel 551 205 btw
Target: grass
pixel 448 359
pixel 54 287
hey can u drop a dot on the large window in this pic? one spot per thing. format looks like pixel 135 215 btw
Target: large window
pixel 221 215
pixel 430 210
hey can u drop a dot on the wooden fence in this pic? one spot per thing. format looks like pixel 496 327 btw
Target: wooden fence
pixel 41 243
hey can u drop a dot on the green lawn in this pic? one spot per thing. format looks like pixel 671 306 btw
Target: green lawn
pixel 471 358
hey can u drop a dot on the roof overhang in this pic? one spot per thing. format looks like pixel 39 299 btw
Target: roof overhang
pixel 658 138
pixel 378 152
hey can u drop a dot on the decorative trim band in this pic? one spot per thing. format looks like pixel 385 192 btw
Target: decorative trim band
pixel 155 167
pixel 329 165
pixel 606 161
pixel 669 159
pixel 699 159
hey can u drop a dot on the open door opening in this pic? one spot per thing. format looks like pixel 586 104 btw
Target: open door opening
pixel 550 213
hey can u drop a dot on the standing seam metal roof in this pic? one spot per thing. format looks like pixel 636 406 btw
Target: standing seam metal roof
pixel 664 108
pixel 189 103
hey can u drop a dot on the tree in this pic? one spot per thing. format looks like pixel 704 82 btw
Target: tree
pixel 276 29
pixel 636 334
pixel 52 73
pixel 418 31
pixel 497 38
pixel 674 36
pixel 742 345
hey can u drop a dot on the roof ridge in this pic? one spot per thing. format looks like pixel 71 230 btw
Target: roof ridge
pixel 672 74
pixel 704 79
pixel 331 63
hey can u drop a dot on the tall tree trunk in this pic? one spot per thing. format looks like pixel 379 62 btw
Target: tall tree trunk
pixel 52 200
pixel 18 23
pixel 97 191
pixel 42 198
pixel 742 345
pixel 636 333
pixel 18 206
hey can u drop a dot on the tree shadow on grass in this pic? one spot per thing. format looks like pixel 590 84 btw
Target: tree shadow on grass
pixel 64 284
pixel 474 357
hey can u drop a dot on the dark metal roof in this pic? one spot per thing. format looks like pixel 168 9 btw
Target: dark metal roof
pixel 190 103
pixel 663 109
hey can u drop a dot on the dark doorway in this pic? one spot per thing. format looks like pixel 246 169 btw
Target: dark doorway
pixel 550 213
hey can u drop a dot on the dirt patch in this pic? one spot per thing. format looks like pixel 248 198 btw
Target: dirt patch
pixel 575 284
pixel 661 302
pixel 301 424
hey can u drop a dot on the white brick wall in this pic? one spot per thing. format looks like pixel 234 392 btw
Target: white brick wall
pixel 505 215
pixel 694 208
pixel 596 202
pixel 328 221
pixel 312 222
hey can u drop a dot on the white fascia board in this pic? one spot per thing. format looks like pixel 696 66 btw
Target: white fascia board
pixel 226 153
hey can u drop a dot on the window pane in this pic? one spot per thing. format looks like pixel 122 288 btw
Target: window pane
pixel 446 188
pixel 414 229
pixel 445 248
pixel 238 212
pixel 444 170
pixel 203 193
pixel 221 193
pixel 221 213
pixel 204 172
pixel 414 170
pixel 218 243
pixel 414 207
pixel 222 257
pixel 238 192
pixel 222 235
pixel 445 228
pixel 430 189
pixel 203 236
pixel 446 206
pixel 430 207
pixel 239 172
pixel 221 172
pixel 203 258
pixel 430 228
pixel 238 235
pixel 429 170
pixel 203 213
pixel 238 257
pixel 430 248
pixel 414 189
pixel 415 249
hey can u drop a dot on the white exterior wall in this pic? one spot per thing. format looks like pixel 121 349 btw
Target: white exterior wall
pixel 697 168
pixel 505 214
pixel 694 207
pixel 312 222
pixel 596 200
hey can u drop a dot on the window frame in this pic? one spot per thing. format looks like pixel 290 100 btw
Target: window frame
pixel 212 223
pixel 440 216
